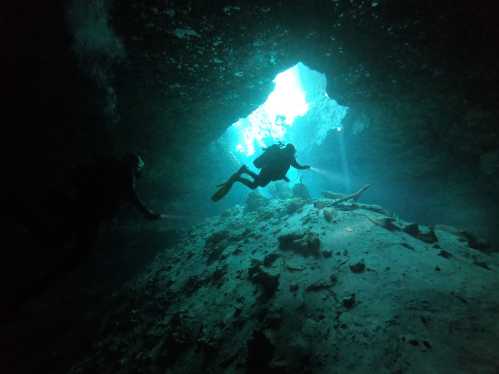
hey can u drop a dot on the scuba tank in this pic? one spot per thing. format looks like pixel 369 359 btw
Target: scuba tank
pixel 268 155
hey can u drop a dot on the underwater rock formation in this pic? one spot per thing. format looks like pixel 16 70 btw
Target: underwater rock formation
pixel 84 79
pixel 268 290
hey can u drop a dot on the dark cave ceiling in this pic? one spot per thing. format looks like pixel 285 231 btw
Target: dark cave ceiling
pixel 196 67
pixel 165 77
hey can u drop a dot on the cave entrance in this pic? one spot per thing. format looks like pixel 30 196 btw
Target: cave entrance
pixel 297 111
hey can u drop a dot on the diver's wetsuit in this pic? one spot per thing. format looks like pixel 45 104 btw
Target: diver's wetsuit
pixel 99 190
pixel 72 213
pixel 274 170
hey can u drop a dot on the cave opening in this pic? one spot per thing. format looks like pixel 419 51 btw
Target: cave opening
pixel 298 111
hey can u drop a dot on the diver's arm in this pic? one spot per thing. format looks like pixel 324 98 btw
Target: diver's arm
pixel 296 165
pixel 139 205
pixel 149 214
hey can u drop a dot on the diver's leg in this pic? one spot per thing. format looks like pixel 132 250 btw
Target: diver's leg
pixel 258 182
pixel 234 176
pixel 264 178
pixel 262 182
pixel 247 182
pixel 244 170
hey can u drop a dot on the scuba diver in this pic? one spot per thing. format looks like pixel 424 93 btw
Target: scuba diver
pixel 274 164
pixel 67 220
pixel 96 192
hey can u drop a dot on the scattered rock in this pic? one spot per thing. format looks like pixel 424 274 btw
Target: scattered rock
pixel 319 204
pixel 328 215
pixel 255 201
pixel 323 284
pixel 349 302
pixel 443 253
pixel 422 344
pixel 466 237
pixel 327 253
pixel 301 191
pixel 386 222
pixel 269 259
pixel 306 244
pixel 408 246
pixel 482 264
pixel 241 235
pixel 192 285
pixel 476 243
pixel 267 282
pixel 215 245
pixel 218 276
pixel 217 237
pixel 359 267
pixel 422 233
pixel 295 264
pixel 294 205
pixel 287 307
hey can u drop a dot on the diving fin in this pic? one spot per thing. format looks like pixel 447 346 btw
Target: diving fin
pixel 222 191
pixel 224 188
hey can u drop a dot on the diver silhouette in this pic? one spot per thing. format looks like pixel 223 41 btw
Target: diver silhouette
pixel 274 164
pixel 91 194
pixel 98 191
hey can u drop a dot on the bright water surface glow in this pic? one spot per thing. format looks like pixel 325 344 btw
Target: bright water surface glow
pixel 298 111
pixel 272 119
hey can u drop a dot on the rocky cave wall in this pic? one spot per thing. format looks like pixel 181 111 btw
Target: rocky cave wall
pixel 166 78
pixel 421 75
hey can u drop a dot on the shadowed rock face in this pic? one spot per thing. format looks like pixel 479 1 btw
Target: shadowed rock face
pixel 369 298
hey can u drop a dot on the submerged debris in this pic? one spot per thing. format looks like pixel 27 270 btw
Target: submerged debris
pixel 339 198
